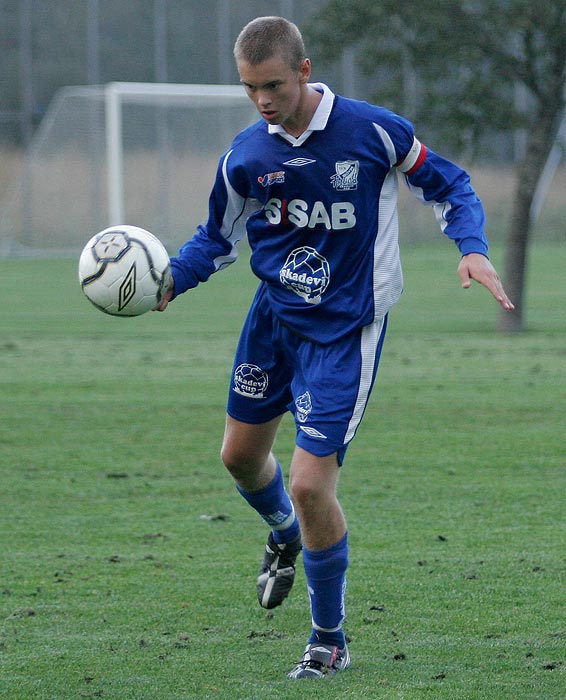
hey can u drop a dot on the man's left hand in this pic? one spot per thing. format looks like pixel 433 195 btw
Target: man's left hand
pixel 475 266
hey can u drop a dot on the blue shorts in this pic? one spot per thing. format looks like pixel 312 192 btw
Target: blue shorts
pixel 326 387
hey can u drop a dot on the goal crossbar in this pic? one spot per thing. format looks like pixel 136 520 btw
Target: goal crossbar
pixel 115 93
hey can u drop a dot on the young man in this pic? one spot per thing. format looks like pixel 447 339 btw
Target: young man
pixel 313 185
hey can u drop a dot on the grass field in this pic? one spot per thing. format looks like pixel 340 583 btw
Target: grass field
pixel 128 562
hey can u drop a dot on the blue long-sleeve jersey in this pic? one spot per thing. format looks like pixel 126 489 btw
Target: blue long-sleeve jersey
pixel 320 214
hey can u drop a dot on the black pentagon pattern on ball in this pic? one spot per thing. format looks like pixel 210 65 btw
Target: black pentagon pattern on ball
pixel 109 248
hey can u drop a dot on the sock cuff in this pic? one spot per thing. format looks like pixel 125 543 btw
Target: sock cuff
pixel 327 563
pixel 274 506
pixel 274 484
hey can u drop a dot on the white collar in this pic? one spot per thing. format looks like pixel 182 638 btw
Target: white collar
pixel 318 121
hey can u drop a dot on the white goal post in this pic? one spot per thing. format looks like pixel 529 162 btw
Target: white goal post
pixel 118 92
pixel 143 154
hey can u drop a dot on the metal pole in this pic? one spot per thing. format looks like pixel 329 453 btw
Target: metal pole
pixel 160 70
pixel 95 125
pixel 349 72
pixel 224 48
pixel 225 61
pixel 547 175
pixel 93 42
pixel 287 9
pixel 26 115
pixel 26 71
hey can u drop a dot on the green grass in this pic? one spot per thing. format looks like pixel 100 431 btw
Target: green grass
pixel 128 562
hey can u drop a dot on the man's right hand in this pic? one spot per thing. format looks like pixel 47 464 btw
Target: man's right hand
pixel 166 298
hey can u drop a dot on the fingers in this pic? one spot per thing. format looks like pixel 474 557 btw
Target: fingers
pixel 161 306
pixel 477 267
pixel 164 303
pixel 464 276
pixel 495 286
pixel 500 295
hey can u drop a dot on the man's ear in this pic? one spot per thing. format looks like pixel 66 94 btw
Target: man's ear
pixel 305 70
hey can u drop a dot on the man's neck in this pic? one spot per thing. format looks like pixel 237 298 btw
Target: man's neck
pixel 311 102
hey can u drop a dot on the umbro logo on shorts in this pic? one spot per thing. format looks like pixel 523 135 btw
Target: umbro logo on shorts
pixel 313 432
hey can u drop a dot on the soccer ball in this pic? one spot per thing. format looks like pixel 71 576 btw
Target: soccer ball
pixel 124 271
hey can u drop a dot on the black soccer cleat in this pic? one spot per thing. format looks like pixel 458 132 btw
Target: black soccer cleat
pixel 277 572
pixel 321 661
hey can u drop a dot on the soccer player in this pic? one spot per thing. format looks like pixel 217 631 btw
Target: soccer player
pixel 313 185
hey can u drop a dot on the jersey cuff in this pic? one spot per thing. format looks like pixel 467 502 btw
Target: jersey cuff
pixel 182 279
pixel 473 245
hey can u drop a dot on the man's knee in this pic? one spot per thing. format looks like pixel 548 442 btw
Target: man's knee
pixel 304 492
pixel 237 460
pixel 246 447
pixel 313 479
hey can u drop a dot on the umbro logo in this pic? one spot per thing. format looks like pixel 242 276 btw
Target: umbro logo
pixel 313 432
pixel 298 162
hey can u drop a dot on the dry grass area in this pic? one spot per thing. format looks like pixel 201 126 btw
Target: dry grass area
pixel 10 169
pixel 495 187
pixel 68 181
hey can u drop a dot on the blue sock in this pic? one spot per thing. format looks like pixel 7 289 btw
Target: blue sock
pixel 326 578
pixel 275 507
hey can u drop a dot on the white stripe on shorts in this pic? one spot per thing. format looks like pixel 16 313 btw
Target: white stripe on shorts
pixel 368 348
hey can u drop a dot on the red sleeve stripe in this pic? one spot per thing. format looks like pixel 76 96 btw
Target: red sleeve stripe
pixel 420 160
pixel 414 158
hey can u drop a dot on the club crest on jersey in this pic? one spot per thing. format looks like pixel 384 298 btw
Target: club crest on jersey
pixel 346 177
pixel 250 380
pixel 307 273
pixel 272 178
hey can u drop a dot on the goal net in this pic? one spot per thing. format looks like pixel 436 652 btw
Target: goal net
pixel 138 153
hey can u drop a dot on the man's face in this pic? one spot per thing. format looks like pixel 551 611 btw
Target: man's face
pixel 277 90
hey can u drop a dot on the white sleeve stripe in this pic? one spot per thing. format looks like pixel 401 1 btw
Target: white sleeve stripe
pixel 440 209
pixel 388 143
pixel 233 226
pixel 238 209
pixel 411 158
pixel 234 205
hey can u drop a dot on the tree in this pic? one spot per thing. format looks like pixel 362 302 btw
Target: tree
pixel 467 59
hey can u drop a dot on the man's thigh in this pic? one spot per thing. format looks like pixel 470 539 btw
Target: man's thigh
pixel 331 389
pixel 249 443
pixel 260 388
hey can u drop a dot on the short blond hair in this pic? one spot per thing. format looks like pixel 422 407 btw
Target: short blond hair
pixel 265 37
